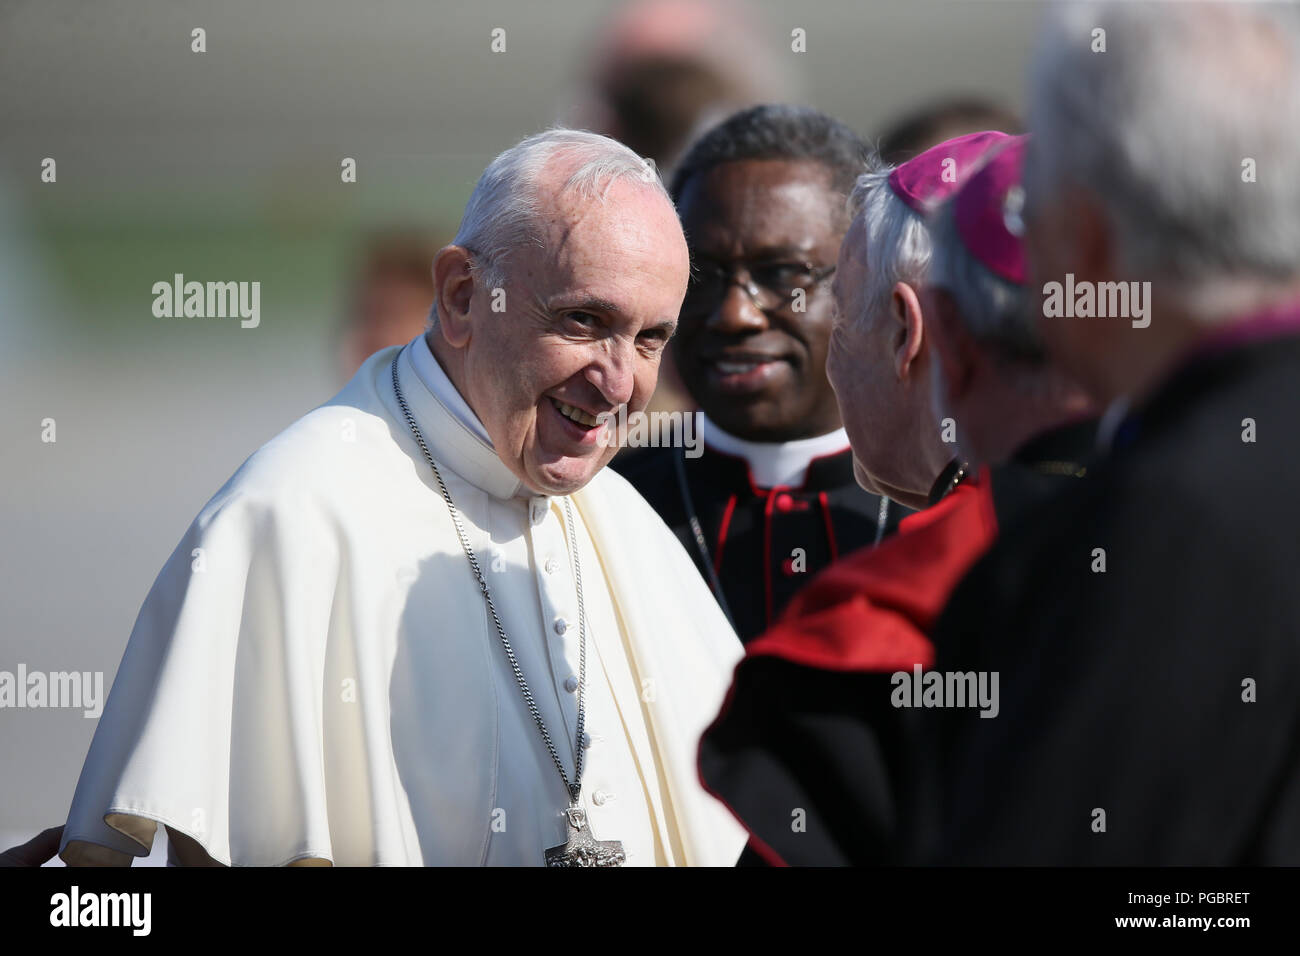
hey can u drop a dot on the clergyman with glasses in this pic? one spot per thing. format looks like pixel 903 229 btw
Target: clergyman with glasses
pixel 772 499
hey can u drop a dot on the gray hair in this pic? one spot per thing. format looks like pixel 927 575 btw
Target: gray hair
pixel 503 210
pixel 994 310
pixel 898 239
pixel 1158 129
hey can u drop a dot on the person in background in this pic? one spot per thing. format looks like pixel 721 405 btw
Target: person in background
pixel 659 77
pixel 772 499
pixel 911 134
pixel 389 301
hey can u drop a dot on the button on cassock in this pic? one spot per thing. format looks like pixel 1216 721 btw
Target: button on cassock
pixel 561 625
pixel 571 684
pixel 552 565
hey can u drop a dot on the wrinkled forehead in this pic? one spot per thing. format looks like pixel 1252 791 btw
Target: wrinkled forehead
pixel 763 203
pixel 625 256
pixel 633 225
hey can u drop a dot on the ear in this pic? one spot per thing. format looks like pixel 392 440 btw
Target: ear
pixel 453 290
pixel 909 327
pixel 951 344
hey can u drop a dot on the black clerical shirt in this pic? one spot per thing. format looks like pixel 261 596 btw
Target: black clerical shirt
pixel 763 544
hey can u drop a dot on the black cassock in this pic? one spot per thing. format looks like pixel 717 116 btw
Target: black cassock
pixel 809 731
pixel 764 544
pixel 1150 711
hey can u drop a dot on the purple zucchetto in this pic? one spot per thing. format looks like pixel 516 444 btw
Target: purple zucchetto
pixel 987 213
pixel 932 177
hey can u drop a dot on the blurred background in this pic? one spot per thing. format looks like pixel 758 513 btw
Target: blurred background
pixel 225 165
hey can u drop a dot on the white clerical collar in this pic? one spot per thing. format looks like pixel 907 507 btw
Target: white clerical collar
pixel 774 463
pixel 433 375
pixel 453 432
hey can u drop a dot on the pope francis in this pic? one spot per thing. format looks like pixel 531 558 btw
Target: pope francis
pixel 424 624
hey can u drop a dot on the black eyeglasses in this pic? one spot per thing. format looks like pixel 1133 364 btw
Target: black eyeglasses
pixel 770 284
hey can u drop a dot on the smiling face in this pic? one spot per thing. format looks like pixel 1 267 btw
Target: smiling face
pixel 758 368
pixel 587 316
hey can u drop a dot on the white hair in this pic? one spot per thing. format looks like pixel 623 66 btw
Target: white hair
pixel 1159 128
pixel 503 210
pixel 994 310
pixel 898 239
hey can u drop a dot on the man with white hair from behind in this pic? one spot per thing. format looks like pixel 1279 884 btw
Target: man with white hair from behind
pixel 1146 623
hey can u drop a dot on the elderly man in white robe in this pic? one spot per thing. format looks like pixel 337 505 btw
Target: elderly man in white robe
pixel 424 624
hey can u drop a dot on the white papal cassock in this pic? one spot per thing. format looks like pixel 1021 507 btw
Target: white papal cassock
pixel 314 673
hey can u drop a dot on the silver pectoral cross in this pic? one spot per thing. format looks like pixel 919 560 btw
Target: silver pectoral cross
pixel 581 848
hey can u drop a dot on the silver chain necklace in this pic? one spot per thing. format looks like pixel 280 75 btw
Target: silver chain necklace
pixel 580 848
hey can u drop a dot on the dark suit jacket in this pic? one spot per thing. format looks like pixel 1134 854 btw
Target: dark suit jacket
pixel 1150 711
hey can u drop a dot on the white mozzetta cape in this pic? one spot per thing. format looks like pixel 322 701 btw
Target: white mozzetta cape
pixel 326 558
